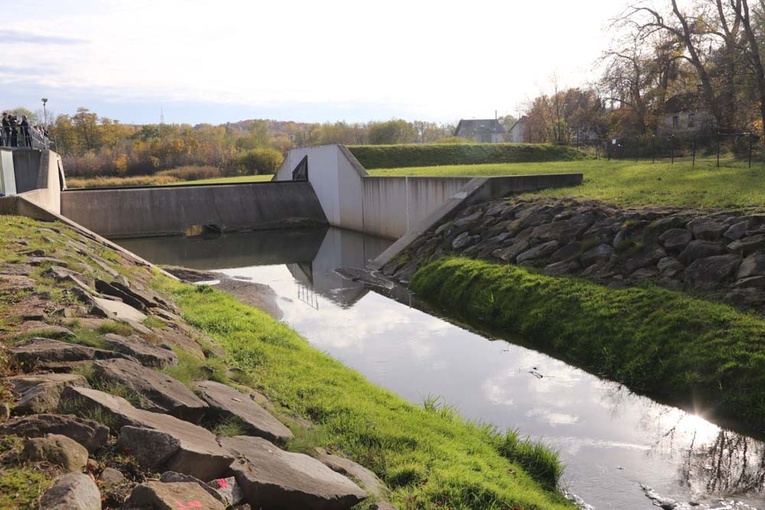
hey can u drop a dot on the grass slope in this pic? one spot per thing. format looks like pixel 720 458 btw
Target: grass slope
pixel 699 355
pixel 430 457
pixel 627 183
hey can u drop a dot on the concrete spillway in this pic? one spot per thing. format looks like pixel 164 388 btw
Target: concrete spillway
pixel 314 186
pixel 171 210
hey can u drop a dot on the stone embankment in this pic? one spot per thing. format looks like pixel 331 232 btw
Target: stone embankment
pixel 721 254
pixel 86 393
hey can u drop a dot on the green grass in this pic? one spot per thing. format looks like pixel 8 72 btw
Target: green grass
pixel 156 180
pixel 408 155
pixel 702 356
pixel 627 183
pixel 228 180
pixel 21 484
pixel 430 457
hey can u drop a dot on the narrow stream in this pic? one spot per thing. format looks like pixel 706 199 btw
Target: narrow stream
pixel 621 451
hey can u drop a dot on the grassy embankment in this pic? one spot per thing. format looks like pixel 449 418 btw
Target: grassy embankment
pixel 154 180
pixel 626 183
pixel 685 351
pixel 703 356
pixel 430 457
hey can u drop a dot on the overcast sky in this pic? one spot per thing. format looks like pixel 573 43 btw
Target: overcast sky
pixel 312 61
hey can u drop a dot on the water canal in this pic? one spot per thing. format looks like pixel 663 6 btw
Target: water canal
pixel 621 451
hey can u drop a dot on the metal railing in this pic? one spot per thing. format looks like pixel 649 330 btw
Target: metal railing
pixel 23 137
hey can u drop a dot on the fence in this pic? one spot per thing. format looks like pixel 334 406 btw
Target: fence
pixel 742 145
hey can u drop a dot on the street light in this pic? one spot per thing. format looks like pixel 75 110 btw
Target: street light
pixel 45 113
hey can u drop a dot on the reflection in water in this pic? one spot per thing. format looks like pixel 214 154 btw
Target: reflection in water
pixel 612 442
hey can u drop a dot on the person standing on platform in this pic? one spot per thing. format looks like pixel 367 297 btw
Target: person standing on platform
pixel 24 129
pixel 6 133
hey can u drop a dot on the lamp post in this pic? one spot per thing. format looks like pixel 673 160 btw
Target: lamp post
pixel 45 113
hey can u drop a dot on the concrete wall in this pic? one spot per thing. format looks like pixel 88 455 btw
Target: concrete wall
pixel 7 176
pixel 479 189
pixel 36 175
pixel 46 191
pixel 393 205
pixel 141 212
pixel 26 168
pixel 336 177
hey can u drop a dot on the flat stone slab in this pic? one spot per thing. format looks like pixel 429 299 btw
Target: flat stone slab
pixel 72 491
pixel 230 402
pixel 117 310
pixel 199 454
pixel 368 480
pixel 91 434
pixel 44 352
pixel 171 496
pixel 148 354
pixel 274 479
pixel 158 392
pixel 40 394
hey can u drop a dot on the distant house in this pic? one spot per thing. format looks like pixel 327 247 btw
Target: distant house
pixel 683 116
pixel 519 132
pixel 481 130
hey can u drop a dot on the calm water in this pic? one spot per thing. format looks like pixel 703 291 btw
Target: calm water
pixel 618 448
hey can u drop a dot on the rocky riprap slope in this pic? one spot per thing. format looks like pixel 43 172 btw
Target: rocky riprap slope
pixel 717 253
pixel 85 328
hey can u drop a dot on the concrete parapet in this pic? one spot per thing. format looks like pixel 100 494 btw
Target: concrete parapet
pixel 170 210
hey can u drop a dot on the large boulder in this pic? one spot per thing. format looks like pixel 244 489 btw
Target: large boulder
pixel 41 393
pixel 58 450
pixel 151 448
pixel 699 250
pixel 675 239
pixel 157 392
pixel 72 491
pixel 509 253
pixel 91 434
pixel 148 354
pixel 711 272
pixel 171 496
pixel 599 253
pixel 748 245
pixel 274 479
pixel 199 454
pixel 753 265
pixel 537 252
pixel 229 402
pixel 647 256
pixel 41 353
pixel 707 229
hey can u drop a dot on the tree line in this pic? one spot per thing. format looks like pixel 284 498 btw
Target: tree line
pixel 92 145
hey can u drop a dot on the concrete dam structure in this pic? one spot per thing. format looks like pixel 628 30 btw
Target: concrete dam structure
pixel 314 186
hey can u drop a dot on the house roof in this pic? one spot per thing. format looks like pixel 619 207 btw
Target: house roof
pixel 682 103
pixel 481 126
pixel 519 123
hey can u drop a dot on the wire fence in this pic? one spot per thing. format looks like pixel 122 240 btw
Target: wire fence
pixel 744 146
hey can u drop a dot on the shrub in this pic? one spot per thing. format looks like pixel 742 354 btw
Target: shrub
pixel 399 156
pixel 192 172
pixel 259 161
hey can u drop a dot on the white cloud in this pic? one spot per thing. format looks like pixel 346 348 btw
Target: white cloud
pixel 433 59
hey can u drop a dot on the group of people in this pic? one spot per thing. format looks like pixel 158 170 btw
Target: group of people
pixel 17 132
